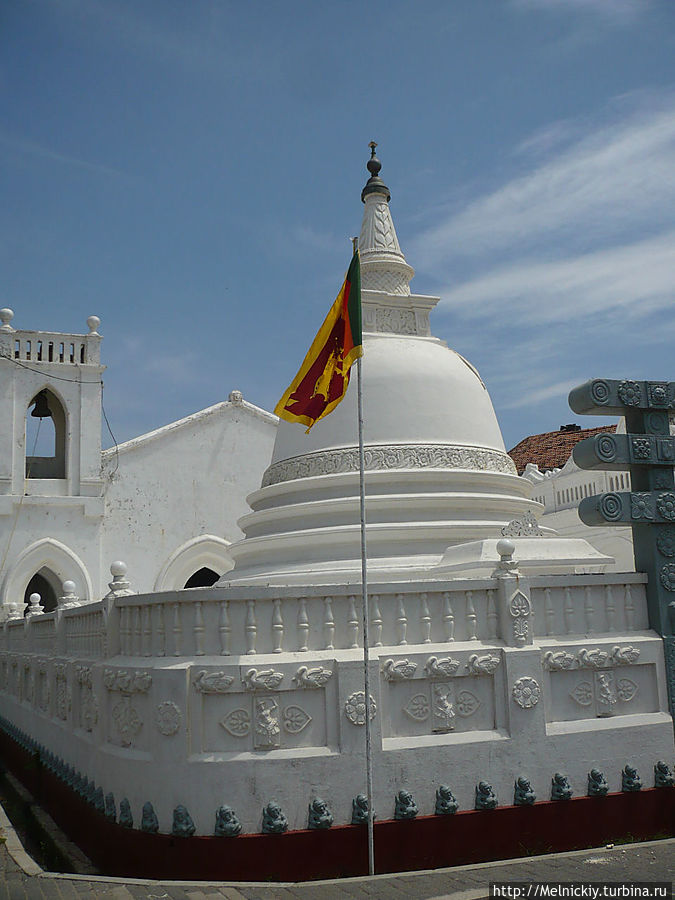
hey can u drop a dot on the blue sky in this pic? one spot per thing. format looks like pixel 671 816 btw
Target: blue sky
pixel 191 173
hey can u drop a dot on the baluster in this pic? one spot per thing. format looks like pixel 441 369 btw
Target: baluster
pixel 471 620
pixel 401 621
pixel 609 607
pixel 492 615
pixel 550 614
pixel 328 624
pixel 251 627
pixel 629 608
pixel 198 629
pixel 425 619
pixel 277 626
pixel 177 631
pixel 376 620
pixel 137 631
pixel 569 611
pixel 224 628
pixel 147 631
pixel 353 624
pixel 448 617
pixel 588 609
pixel 303 624
pixel 161 630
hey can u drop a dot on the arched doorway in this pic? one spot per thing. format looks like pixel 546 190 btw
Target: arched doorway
pixel 203 577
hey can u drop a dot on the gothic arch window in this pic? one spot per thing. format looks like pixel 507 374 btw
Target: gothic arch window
pixel 47 585
pixel 45 436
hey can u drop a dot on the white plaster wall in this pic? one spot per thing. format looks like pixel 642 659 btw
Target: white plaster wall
pixel 188 479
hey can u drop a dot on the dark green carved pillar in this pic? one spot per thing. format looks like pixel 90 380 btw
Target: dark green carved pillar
pixel 648 451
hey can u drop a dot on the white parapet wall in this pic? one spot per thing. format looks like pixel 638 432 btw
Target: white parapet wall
pixel 243 695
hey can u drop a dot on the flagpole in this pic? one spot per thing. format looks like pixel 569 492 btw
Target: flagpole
pixel 366 617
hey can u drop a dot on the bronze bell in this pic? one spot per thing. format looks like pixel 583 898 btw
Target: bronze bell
pixel 41 408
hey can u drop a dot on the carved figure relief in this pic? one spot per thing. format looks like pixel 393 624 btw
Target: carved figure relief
pixel 127 720
pixel 168 718
pixel 443 700
pixel 399 670
pixel 266 729
pixel 212 682
pixel 441 668
pixel 88 700
pixel 263 680
pixel 604 692
pixel 316 677
pixel 63 694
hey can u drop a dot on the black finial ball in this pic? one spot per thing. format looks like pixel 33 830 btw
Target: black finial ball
pixel 373 165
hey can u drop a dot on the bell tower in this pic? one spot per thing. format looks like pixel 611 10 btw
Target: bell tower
pixel 50 383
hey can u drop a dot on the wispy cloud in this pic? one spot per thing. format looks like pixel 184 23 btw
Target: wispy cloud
pixel 619 12
pixel 25 147
pixel 617 177
pixel 636 278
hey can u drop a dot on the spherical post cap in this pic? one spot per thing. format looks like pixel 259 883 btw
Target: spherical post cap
pixel 6 316
pixel 505 548
pixel 35 599
pixel 118 568
pixel 68 587
pixel 93 322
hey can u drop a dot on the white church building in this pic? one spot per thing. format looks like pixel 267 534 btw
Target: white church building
pixel 66 515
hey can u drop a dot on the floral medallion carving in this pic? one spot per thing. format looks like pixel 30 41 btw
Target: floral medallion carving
pixel 666 505
pixel 88 699
pixel 397 456
pixel 667 576
pixel 63 700
pixel 641 448
pixel 417 708
pixel 237 723
pixel 642 506
pixel 630 393
pixel 295 719
pixel 583 693
pixel 665 541
pixel 355 708
pixel 467 703
pixel 168 718
pixel 658 393
pixel 526 692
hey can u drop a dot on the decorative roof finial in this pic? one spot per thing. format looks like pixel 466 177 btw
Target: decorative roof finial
pixel 374 185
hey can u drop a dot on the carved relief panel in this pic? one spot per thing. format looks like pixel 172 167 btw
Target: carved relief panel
pixel 246 708
pixel 438 695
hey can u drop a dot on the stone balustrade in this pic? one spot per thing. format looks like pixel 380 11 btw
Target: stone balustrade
pixel 50 347
pixel 220 622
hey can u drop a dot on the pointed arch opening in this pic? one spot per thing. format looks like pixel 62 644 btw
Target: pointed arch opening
pixel 204 577
pixel 48 585
pixel 45 436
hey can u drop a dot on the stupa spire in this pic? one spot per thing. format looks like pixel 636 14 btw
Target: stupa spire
pixel 383 265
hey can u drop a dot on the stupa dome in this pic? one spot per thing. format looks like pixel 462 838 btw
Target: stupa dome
pixel 437 473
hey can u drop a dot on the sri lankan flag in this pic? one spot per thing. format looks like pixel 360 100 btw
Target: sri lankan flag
pixel 324 375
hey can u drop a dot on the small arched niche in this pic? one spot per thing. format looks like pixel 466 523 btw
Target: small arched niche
pixel 48 586
pixel 45 436
pixel 203 577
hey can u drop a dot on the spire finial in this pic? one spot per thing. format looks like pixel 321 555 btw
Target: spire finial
pixel 374 185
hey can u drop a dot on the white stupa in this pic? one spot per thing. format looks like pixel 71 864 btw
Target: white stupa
pixel 437 473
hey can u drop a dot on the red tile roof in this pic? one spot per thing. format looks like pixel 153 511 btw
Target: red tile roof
pixel 552 449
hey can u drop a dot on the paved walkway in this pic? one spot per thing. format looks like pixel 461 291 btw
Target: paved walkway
pixel 22 879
